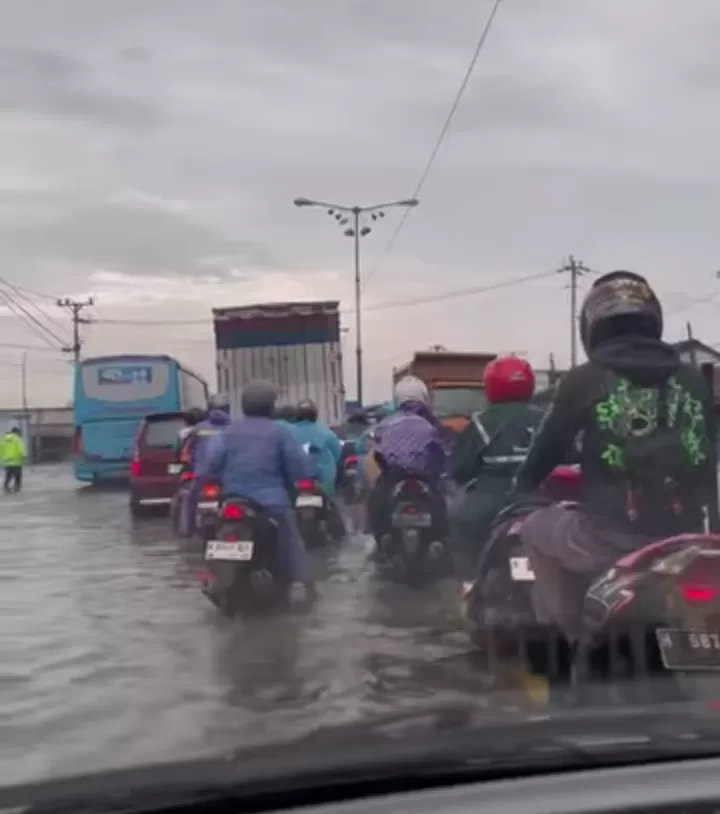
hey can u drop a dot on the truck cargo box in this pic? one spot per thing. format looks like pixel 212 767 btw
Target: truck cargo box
pixel 295 345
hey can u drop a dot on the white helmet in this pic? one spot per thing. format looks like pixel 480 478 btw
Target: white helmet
pixel 410 388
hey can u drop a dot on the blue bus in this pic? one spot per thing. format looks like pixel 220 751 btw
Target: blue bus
pixel 112 396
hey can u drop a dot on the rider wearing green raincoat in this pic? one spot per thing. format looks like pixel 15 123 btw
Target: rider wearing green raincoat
pixel 486 455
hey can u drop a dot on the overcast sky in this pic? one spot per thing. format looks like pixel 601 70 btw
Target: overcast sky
pixel 151 150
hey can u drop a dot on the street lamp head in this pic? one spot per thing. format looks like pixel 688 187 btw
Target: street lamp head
pixel 302 202
pixel 411 202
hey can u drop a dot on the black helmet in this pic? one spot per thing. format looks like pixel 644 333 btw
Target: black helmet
pixel 306 410
pixel 618 304
pixel 285 412
pixel 194 416
pixel 258 399
pixel 219 401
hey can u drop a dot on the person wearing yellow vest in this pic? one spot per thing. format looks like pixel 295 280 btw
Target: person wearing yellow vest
pixel 14 455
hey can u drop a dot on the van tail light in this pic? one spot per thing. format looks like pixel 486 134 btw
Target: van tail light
pixel 210 491
pixel 135 464
pixel 233 512
pixel 305 486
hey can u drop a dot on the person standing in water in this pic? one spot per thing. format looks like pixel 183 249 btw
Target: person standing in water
pixel 14 455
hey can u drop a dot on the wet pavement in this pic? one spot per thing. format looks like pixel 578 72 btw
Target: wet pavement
pixel 110 655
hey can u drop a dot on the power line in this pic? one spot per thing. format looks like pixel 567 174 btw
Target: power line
pixel 443 132
pixel 42 316
pixel 384 306
pixel 29 321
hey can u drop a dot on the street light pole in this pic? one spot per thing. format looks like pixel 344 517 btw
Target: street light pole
pixel 357 230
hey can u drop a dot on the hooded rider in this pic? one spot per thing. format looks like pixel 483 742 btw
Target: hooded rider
pixel 487 453
pixel 324 449
pixel 326 446
pixel 259 459
pixel 407 442
pixel 285 414
pixel 196 446
pixel 642 420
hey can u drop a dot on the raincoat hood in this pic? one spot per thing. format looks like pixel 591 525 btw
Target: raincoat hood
pixel 642 360
pixel 218 418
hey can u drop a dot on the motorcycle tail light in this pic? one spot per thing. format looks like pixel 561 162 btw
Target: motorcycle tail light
pixel 698 594
pixel 186 477
pixel 305 485
pixel 210 491
pixel 233 512
pixel 409 510
pixel 351 460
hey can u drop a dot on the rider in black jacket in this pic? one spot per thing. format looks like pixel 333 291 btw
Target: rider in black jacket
pixel 634 400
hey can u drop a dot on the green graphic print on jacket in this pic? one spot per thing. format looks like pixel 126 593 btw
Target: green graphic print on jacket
pixel 631 411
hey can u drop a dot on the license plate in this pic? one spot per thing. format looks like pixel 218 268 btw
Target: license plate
pixel 521 570
pixel 207 505
pixel 309 501
pixel 420 520
pixel 220 550
pixel 688 649
pixel 174 469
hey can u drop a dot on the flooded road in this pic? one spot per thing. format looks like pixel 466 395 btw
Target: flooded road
pixel 111 656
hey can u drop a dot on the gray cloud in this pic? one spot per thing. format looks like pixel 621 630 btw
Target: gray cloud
pixel 170 137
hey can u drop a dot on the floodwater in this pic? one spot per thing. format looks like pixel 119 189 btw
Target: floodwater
pixel 110 655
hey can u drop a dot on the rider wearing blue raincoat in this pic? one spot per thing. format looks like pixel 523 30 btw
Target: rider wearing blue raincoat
pixel 197 443
pixel 257 458
pixel 309 432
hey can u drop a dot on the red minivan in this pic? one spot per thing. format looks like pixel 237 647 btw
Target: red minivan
pixel 153 481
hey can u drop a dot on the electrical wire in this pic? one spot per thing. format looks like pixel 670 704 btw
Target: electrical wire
pixel 24 301
pixel 436 149
pixel 384 306
pixel 30 322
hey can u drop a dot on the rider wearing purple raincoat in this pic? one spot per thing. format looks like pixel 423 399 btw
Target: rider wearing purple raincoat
pixel 408 442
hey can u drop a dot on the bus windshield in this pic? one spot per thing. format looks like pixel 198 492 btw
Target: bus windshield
pixel 452 401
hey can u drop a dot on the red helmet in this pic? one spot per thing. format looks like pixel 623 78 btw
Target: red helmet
pixel 509 378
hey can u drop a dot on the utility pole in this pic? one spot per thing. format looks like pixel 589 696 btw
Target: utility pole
pixel 76 307
pixel 575 270
pixel 356 230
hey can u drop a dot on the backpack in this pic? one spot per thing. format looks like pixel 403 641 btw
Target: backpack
pixel 647 445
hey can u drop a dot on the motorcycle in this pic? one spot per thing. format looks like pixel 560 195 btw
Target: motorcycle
pixel 316 517
pixel 244 568
pixel 651 622
pixel 205 511
pixel 349 482
pixel 413 546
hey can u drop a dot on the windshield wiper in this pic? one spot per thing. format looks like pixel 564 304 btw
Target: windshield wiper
pixel 413 750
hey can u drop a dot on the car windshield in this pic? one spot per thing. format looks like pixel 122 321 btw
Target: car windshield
pixel 163 433
pixel 490 228
pixel 449 401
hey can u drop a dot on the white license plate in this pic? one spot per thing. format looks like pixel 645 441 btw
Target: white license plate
pixel 419 520
pixel 521 570
pixel 309 501
pixel 220 550
pixel 205 505
pixel 174 469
